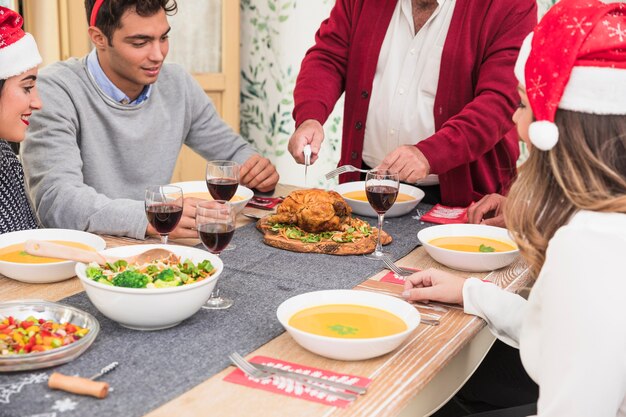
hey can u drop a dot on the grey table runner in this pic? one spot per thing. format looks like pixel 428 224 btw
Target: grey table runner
pixel 156 367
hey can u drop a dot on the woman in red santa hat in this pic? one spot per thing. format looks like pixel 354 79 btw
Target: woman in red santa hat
pixel 19 58
pixel 567 213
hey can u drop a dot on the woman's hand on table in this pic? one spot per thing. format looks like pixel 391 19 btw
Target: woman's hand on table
pixel 186 227
pixel 488 211
pixel 434 285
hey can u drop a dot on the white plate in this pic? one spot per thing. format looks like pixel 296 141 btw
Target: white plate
pixel 363 208
pixel 348 349
pixel 468 261
pixel 199 189
pixel 50 272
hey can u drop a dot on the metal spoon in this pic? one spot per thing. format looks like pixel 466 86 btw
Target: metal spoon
pixel 55 250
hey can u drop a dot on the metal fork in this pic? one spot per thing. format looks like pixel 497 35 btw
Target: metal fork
pixel 254 372
pixel 395 268
pixel 342 170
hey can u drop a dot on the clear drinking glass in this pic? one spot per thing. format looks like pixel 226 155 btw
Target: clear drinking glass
pixel 215 222
pixel 164 208
pixel 381 188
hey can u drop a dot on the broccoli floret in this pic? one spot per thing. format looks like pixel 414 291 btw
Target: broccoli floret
pixel 205 266
pixel 130 279
pixel 166 275
pixel 94 272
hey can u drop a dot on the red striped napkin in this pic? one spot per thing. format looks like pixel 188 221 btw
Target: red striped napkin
pixel 445 215
pixel 292 388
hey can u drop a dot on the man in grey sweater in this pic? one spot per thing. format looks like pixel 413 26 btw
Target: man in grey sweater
pixel 110 128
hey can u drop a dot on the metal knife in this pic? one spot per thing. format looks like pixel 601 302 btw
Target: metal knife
pixel 307 160
pixel 299 377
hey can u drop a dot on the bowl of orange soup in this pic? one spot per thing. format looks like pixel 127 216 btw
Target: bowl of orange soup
pixel 17 264
pixel 469 247
pixel 198 189
pixel 354 194
pixel 348 325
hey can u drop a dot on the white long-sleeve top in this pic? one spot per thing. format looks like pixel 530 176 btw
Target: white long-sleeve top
pixel 572 330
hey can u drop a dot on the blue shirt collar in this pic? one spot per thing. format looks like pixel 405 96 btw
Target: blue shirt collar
pixel 108 87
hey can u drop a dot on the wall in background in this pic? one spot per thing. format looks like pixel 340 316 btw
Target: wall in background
pixel 275 35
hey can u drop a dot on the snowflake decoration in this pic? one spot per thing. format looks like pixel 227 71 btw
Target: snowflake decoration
pixel 579 26
pixel 66 404
pixel 536 87
pixel 6 390
pixel 617 31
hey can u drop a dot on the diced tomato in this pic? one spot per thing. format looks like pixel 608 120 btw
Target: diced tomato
pixel 4 326
pixel 26 324
pixel 70 328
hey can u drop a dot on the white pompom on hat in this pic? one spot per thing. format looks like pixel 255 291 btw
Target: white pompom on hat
pixel 575 59
pixel 18 50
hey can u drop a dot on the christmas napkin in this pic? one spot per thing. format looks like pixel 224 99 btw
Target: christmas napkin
pixel 291 388
pixel 445 215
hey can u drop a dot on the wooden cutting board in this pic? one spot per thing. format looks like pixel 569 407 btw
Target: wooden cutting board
pixel 363 246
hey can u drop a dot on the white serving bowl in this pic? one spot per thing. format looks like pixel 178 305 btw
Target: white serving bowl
pixel 468 261
pixel 199 189
pixel 348 349
pixel 151 308
pixel 48 272
pixel 363 208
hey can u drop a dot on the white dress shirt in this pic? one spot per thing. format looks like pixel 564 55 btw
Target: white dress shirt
pixel 405 83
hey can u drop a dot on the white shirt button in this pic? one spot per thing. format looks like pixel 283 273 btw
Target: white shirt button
pixel 392 131
pixel 412 51
pixel 401 91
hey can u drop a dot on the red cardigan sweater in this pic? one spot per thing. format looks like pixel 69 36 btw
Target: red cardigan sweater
pixel 475 146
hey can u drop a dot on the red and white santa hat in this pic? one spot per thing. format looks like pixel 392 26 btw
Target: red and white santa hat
pixel 575 59
pixel 18 50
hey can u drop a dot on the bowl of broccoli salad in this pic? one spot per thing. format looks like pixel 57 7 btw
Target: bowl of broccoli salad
pixel 162 273
pixel 154 295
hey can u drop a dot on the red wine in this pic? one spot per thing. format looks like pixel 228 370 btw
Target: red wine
pixel 222 188
pixel 216 237
pixel 381 197
pixel 164 217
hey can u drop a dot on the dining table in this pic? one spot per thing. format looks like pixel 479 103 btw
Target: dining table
pixel 413 380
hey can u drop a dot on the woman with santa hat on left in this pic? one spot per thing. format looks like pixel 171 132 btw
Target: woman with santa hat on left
pixel 19 58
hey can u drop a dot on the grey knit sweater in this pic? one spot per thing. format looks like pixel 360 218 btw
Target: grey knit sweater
pixel 15 211
pixel 89 159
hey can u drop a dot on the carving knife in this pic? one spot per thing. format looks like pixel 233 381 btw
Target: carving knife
pixel 307 160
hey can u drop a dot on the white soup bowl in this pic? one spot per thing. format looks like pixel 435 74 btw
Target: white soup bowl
pixel 468 261
pixel 348 349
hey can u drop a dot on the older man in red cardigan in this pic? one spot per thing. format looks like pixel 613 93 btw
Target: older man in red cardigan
pixel 429 88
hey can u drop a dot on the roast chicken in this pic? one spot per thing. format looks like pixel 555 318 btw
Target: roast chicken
pixel 313 211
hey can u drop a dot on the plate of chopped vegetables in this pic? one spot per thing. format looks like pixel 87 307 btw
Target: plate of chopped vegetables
pixel 38 334
pixel 154 295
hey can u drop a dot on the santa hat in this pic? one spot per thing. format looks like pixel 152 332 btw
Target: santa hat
pixel 18 50
pixel 574 60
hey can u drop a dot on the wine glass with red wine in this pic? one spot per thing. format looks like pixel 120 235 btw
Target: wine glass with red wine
pixel 215 222
pixel 164 208
pixel 381 188
pixel 222 179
